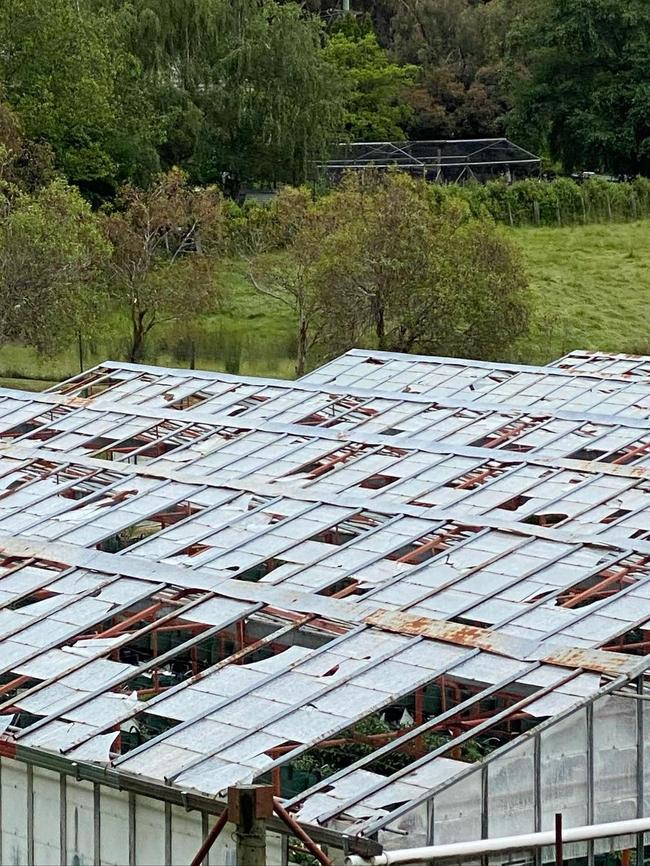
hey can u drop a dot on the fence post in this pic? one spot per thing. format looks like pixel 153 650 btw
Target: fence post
pixel 536 212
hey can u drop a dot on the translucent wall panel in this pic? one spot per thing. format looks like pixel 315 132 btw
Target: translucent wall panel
pixel 80 827
pixel 408 831
pixel 13 814
pixel 187 834
pixel 457 811
pixel 46 788
pixel 615 763
pixel 511 792
pixel 563 772
pixel 149 831
pixel 114 827
pixel 223 851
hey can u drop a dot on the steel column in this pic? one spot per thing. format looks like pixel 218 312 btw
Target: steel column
pixel 640 769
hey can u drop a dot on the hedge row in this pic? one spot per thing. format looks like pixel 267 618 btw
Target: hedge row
pixel 552 203
pixel 254 228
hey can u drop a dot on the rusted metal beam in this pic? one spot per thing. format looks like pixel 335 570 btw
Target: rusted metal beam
pixel 210 839
pixel 300 834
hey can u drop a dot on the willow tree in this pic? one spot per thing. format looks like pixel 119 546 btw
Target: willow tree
pixel 243 85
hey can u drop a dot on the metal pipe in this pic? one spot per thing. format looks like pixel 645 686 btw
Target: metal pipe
pixel 479 847
pixel 300 834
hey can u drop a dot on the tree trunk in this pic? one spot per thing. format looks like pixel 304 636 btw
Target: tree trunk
pixel 301 355
pixel 378 314
pixel 138 333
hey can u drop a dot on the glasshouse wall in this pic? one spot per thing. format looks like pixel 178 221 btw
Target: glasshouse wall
pixel 50 818
pixel 592 765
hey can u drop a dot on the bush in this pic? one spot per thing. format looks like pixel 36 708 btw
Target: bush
pixel 550 203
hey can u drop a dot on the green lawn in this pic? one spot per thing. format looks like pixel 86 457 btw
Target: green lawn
pixel 590 285
pixel 591 288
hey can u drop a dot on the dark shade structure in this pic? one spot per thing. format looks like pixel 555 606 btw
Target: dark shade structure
pixel 453 161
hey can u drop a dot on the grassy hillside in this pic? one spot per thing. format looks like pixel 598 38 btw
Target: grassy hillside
pixel 591 289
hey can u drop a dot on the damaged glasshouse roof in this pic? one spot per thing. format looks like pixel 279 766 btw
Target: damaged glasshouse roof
pixel 359 587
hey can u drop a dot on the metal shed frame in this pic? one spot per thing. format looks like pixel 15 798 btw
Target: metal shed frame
pixel 440 161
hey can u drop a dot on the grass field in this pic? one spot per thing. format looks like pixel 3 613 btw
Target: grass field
pixel 590 287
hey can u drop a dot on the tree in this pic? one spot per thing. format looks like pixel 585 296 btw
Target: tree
pixel 288 279
pixel 581 93
pixel 374 108
pixel 460 46
pixel 51 255
pixel 396 271
pixel 243 85
pixel 24 165
pixel 164 240
pixel 73 85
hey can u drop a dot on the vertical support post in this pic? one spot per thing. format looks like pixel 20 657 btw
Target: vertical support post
pixel 63 818
pixel 484 810
pixel 559 853
pixel 97 823
pixel 590 779
pixel 30 813
pixel 431 821
pixel 345 5
pixel 484 802
pixel 537 793
pixel 249 807
pixel 640 769
pixel 81 353
pixel 168 834
pixel 132 829
pixel 205 829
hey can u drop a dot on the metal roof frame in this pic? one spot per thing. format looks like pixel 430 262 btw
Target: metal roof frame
pixel 474 577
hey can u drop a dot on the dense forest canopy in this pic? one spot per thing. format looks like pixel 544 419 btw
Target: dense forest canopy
pixel 231 91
